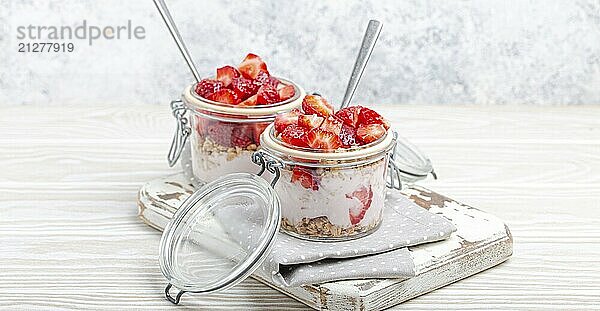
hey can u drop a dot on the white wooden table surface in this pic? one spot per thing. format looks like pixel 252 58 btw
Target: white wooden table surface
pixel 70 237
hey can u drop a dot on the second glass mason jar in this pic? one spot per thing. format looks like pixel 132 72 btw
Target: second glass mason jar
pixel 330 195
pixel 223 137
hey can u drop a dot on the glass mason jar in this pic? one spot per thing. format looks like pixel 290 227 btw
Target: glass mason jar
pixel 330 195
pixel 223 137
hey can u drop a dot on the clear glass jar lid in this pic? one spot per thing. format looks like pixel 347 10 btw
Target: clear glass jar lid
pixel 411 163
pixel 219 235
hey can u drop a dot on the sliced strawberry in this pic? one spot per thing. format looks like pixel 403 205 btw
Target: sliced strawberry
pixel 242 135
pixel 225 96
pixel 369 116
pixel 250 101
pixel 306 178
pixel 315 104
pixel 349 115
pixel 363 198
pixel 264 77
pixel 369 133
pixel 244 87
pixel 285 119
pixel 294 135
pixel 310 121
pixel 267 94
pixel 332 124
pixel 252 65
pixel 220 133
pixel 226 74
pixel 206 87
pixel 348 136
pixel 258 129
pixel 320 139
pixel 286 92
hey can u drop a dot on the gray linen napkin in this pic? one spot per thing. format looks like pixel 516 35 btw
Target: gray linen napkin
pixel 382 254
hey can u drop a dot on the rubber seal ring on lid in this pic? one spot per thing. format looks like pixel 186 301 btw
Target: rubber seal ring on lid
pixel 170 298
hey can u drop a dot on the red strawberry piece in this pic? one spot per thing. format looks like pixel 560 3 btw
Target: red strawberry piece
pixel 220 133
pixel 348 136
pixel 320 139
pixel 226 74
pixel 258 129
pixel 206 87
pixel 252 65
pixel 369 133
pixel 242 136
pixel 369 116
pixel 286 92
pixel 349 115
pixel 225 96
pixel 285 119
pixel 250 101
pixel 315 104
pixel 363 197
pixel 264 77
pixel 244 87
pixel 267 94
pixel 310 121
pixel 306 178
pixel 332 124
pixel 294 135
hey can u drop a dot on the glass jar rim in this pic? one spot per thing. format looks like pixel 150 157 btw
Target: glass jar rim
pixel 198 104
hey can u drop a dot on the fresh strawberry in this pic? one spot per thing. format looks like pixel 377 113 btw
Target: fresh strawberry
pixel 242 135
pixel 226 75
pixel 294 135
pixel 286 92
pixel 258 129
pixel 250 101
pixel 332 124
pixel 306 178
pixel 285 119
pixel 320 139
pixel 369 133
pixel 264 77
pixel 368 116
pixel 348 136
pixel 225 96
pixel 244 87
pixel 349 115
pixel 252 65
pixel 310 121
pixel 315 104
pixel 206 87
pixel 267 94
pixel 363 198
pixel 220 133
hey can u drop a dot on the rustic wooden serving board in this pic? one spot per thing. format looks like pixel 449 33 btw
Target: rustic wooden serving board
pixel 480 242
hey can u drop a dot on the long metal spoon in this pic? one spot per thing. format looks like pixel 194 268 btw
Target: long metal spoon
pixel 366 48
pixel 166 16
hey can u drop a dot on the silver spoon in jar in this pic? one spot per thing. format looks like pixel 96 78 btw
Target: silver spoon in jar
pixel 366 48
pixel 166 16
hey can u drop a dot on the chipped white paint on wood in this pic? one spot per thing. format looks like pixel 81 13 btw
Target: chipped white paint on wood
pixel 70 237
pixel 481 241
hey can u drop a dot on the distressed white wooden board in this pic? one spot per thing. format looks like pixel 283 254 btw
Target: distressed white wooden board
pixel 70 237
pixel 480 242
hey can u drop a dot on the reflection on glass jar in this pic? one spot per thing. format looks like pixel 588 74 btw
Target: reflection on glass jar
pixel 334 195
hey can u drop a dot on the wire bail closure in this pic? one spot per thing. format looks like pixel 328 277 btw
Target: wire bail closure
pixel 267 163
pixel 182 131
pixel 170 298
pixel 393 177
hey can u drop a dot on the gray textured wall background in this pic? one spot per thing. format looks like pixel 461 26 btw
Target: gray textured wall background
pixel 430 52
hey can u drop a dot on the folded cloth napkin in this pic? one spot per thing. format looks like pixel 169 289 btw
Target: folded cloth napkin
pixel 382 254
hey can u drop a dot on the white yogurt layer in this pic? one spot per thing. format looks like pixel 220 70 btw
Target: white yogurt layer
pixel 210 165
pixel 330 200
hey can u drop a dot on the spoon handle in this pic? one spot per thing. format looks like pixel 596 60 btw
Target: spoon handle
pixel 166 16
pixel 366 48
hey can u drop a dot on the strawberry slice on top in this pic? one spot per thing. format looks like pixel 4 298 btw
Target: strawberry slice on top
pixel 286 92
pixel 332 124
pixel 315 104
pixel 348 136
pixel 363 197
pixel 248 102
pixel 349 115
pixel 310 121
pixel 369 116
pixel 320 139
pixel 252 65
pixel 226 75
pixel 206 87
pixel 369 133
pixel 267 95
pixel 284 120
pixel 225 96
pixel 294 135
